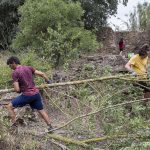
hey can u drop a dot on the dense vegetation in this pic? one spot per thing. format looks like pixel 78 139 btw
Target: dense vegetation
pixel 50 33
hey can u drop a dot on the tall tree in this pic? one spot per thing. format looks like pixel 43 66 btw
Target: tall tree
pixel 8 21
pixel 139 19
pixel 142 15
pixel 133 21
pixel 54 28
pixel 97 11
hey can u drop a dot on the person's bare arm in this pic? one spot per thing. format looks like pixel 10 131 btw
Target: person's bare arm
pixel 41 74
pixel 16 87
pixel 128 67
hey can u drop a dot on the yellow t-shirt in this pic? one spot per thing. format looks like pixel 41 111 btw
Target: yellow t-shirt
pixel 138 64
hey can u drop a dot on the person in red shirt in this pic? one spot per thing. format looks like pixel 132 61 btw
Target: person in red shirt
pixel 121 45
pixel 23 82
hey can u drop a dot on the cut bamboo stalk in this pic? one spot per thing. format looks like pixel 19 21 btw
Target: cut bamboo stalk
pixel 120 77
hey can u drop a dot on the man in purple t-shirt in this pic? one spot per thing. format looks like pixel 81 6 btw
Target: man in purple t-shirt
pixel 24 83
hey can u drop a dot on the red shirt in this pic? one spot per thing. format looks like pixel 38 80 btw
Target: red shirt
pixel 121 45
pixel 24 75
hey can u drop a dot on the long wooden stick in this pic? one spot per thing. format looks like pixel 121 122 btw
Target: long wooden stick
pixel 85 143
pixel 114 137
pixel 120 77
pixel 66 140
pixel 95 112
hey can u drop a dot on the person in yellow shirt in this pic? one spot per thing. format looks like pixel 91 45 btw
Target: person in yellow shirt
pixel 137 65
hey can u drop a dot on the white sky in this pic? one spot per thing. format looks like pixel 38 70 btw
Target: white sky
pixel 122 12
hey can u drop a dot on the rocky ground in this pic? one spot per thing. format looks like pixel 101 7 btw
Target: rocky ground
pixel 97 62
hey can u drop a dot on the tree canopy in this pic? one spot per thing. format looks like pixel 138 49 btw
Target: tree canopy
pixel 54 28
pixel 94 16
pixel 98 11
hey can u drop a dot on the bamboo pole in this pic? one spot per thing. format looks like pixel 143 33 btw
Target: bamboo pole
pixel 84 143
pixel 120 77
pixel 113 137
pixel 97 111
pixel 66 140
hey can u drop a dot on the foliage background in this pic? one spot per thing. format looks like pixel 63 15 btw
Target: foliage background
pixel 54 29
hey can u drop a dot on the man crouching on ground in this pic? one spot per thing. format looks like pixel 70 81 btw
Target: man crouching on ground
pixel 23 83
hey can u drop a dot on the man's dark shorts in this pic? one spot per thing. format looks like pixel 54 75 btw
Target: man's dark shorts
pixel 35 101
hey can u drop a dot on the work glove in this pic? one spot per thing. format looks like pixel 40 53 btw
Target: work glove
pixel 133 74
pixel 49 82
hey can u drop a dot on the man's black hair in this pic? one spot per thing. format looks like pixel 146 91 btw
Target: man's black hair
pixel 12 60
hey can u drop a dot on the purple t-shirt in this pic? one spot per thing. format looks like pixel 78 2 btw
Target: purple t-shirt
pixel 24 75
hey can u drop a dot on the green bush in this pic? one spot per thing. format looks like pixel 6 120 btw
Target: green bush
pixel 5 72
pixel 54 28
pixel 5 77
pixel 29 58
